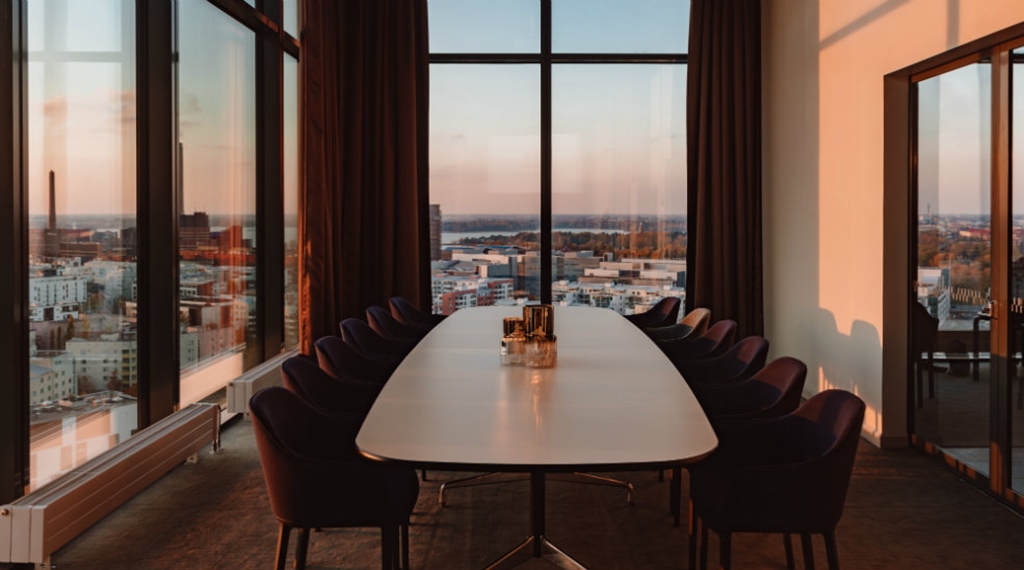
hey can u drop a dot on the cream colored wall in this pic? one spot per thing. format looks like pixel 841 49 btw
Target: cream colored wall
pixel 823 64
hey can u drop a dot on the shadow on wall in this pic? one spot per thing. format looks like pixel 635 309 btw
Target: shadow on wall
pixel 848 362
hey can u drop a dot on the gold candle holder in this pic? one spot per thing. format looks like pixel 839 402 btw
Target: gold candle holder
pixel 513 342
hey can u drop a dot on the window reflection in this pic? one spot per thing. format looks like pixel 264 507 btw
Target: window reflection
pixel 217 232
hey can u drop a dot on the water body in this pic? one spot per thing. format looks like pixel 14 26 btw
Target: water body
pixel 451 238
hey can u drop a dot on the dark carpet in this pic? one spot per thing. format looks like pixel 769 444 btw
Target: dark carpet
pixel 904 510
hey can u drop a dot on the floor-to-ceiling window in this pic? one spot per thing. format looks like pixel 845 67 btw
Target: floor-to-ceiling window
pixel 229 179
pixel 965 385
pixel 557 152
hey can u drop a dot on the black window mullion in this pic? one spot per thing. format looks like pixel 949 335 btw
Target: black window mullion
pixel 545 152
pixel 14 383
pixel 269 196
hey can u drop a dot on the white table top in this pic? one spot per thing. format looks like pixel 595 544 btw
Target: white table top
pixel 612 401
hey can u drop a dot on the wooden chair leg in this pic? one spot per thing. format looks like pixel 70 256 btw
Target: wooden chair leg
pixel 830 550
pixel 283 531
pixel 805 541
pixel 301 548
pixel 725 550
pixel 675 495
pixel 787 543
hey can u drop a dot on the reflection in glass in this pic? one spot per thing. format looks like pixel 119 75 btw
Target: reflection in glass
pixel 82 232
pixel 291 201
pixel 619 184
pixel 484 184
pixel 478 26
pixel 290 18
pixel 1017 273
pixel 217 233
pixel 950 383
pixel 614 26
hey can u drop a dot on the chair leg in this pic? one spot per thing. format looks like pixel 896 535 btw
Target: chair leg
pixel 388 539
pixel 704 546
pixel 787 543
pixel 805 541
pixel 301 548
pixel 675 495
pixel 691 553
pixel 283 531
pixel 931 375
pixel 724 550
pixel 404 545
pixel 830 550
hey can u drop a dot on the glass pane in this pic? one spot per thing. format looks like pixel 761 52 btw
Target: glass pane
pixel 619 184
pixel 217 232
pixel 484 183
pixel 951 321
pixel 1017 271
pixel 291 202
pixel 614 26
pixel 82 228
pixel 484 26
pixel 291 17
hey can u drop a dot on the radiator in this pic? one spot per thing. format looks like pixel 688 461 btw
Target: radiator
pixel 33 527
pixel 257 378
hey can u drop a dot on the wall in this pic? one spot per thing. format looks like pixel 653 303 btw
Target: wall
pixel 823 65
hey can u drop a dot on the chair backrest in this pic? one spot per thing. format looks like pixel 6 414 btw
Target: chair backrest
pixel 775 390
pixel 381 321
pixel 718 338
pixel 358 334
pixel 827 428
pixel 305 378
pixel 698 321
pixel 404 311
pixel 339 359
pixel 926 330
pixel 665 312
pixel 741 361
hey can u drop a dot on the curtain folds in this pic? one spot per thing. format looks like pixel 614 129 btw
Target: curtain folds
pixel 364 212
pixel 724 266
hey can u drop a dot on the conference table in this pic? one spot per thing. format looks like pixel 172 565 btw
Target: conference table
pixel 612 402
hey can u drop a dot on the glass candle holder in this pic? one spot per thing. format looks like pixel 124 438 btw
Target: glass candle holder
pixel 539 321
pixel 541 352
pixel 513 342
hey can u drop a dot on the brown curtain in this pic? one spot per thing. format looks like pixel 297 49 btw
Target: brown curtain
pixel 364 214
pixel 724 270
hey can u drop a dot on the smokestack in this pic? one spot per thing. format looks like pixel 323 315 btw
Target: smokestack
pixel 53 203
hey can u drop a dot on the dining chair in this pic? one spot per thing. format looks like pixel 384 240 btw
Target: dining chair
pixel 737 363
pixel 316 478
pixel 381 321
pixel 694 324
pixel 337 358
pixel 718 338
pixel 407 313
pixel 925 336
pixel 773 391
pixel 663 313
pixel 358 334
pixel 305 378
pixel 785 475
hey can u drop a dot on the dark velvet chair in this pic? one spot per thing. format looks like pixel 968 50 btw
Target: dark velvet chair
pixel 775 390
pixel 337 358
pixel 925 335
pixel 785 475
pixel 305 378
pixel 316 478
pixel 694 324
pixel 718 338
pixel 381 321
pixel 665 312
pixel 737 363
pixel 358 334
pixel 407 313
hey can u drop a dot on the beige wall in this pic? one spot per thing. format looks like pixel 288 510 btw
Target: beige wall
pixel 823 64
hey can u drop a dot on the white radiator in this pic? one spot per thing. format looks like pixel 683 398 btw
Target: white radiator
pixel 33 527
pixel 257 378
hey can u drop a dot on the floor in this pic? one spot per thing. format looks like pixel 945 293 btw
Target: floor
pixel 903 510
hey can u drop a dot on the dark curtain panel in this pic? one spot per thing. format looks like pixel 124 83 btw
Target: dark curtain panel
pixel 724 271
pixel 364 216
